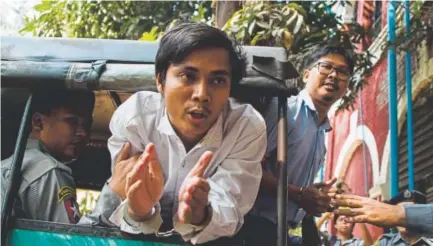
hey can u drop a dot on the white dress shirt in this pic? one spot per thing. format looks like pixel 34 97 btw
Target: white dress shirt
pixel 238 141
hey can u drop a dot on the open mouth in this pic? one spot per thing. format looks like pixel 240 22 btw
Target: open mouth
pixel 198 115
pixel 330 87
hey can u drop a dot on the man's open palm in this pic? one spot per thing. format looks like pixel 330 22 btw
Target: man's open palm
pixel 145 184
pixel 193 194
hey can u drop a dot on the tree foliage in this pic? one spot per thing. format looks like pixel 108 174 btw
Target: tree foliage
pixel 298 26
pixel 110 19
pixel 301 27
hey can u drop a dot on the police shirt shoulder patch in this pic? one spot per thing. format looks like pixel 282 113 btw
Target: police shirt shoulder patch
pixel 65 192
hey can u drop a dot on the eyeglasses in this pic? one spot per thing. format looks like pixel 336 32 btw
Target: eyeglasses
pixel 326 68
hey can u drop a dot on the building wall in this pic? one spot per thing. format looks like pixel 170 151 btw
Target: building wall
pixel 360 137
pixel 355 139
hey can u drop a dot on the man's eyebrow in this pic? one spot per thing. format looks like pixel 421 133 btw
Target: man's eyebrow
pixel 220 72
pixel 190 68
pixel 337 66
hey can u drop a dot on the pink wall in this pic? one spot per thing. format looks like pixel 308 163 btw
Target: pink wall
pixel 375 117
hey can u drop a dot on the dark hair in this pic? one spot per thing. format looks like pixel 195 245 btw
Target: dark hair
pixel 46 100
pixel 184 38
pixel 409 196
pixel 330 49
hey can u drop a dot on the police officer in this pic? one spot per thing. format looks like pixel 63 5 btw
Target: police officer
pixel 402 237
pixel 61 122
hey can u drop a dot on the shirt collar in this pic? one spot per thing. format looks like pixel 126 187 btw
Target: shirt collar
pixel 164 125
pixel 213 137
pixel 350 240
pixel 306 100
pixel 36 144
pixel 397 238
pixel 340 242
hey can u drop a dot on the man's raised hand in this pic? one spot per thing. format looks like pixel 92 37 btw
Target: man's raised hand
pixel 122 166
pixel 193 194
pixel 144 184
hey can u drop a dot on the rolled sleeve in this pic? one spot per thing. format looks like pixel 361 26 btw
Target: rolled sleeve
pixel 105 206
pixel 233 188
pixel 149 226
pixel 124 127
pixel 419 218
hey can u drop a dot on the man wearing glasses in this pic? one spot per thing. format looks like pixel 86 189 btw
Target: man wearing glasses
pixel 327 74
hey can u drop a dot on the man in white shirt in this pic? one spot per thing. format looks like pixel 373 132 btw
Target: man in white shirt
pixel 199 171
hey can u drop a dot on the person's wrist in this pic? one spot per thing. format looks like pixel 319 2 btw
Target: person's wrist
pixel 400 217
pixel 206 217
pixel 292 192
pixel 299 195
pixel 140 216
pixel 114 186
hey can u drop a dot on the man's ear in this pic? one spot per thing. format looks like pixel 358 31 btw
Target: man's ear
pixel 38 121
pixel 159 84
pixel 305 76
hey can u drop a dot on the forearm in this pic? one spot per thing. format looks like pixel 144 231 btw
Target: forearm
pixel 293 192
pixel 269 184
pixel 365 234
pixel 107 203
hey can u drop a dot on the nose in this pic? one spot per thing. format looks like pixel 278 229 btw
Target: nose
pixel 201 91
pixel 82 131
pixel 333 74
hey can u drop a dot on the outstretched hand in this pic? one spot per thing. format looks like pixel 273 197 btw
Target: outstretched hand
pixel 122 166
pixel 193 194
pixel 144 184
pixel 366 210
pixel 315 200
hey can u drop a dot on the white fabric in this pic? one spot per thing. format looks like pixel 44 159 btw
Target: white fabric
pixel 237 139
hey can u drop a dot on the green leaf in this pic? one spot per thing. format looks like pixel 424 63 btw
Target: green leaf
pixel 263 24
pixel 251 27
pixel 28 28
pixel 44 6
pixel 299 24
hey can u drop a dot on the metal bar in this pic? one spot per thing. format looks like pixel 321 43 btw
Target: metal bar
pixel 121 77
pixel 364 154
pixel 282 166
pixel 15 177
pixel 115 98
pixel 408 72
pixel 116 77
pixel 392 78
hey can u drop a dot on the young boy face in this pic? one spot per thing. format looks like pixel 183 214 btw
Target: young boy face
pixel 196 90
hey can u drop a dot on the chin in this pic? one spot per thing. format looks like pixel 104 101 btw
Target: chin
pixel 196 131
pixel 328 97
